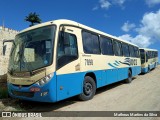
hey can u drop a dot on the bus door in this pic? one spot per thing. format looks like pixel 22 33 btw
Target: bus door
pixel 68 63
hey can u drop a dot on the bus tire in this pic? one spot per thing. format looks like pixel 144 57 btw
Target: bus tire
pixel 129 79
pixel 89 89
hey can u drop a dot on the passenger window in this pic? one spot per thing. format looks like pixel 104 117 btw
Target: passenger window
pixel 136 50
pixel 67 49
pixel 132 53
pixel 117 48
pixel 106 46
pixel 148 54
pixel 90 43
pixel 125 50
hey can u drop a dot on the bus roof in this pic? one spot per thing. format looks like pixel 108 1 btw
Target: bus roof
pixel 73 23
pixel 147 49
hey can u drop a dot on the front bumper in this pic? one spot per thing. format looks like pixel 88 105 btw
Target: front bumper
pixel 47 92
pixel 144 70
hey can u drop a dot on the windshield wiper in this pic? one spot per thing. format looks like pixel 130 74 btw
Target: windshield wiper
pixel 15 62
pixel 30 70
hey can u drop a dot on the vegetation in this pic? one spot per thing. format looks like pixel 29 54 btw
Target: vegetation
pixel 33 18
pixel 3 92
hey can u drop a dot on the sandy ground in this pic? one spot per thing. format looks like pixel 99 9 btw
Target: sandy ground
pixel 143 94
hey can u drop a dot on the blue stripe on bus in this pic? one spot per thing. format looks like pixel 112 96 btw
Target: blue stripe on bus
pixel 67 85
pixel 111 65
pixel 117 62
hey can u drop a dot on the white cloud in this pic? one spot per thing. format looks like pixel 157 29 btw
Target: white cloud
pixel 128 26
pixel 119 2
pixel 140 40
pixel 105 4
pixel 126 37
pixel 151 3
pixel 148 32
pixel 95 8
pixel 150 25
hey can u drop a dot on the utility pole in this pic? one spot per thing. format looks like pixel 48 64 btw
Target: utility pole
pixel 2 23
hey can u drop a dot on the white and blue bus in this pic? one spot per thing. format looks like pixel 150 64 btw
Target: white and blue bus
pixel 149 59
pixel 59 59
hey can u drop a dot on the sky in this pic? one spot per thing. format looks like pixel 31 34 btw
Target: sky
pixel 137 21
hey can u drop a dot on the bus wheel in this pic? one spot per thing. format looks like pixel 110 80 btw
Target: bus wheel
pixel 89 89
pixel 129 79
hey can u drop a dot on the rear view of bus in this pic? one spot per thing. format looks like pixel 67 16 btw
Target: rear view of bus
pixel 149 59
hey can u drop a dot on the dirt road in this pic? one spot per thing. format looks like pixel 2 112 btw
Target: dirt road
pixel 143 94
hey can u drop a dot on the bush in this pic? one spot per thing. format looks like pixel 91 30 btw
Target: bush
pixel 3 92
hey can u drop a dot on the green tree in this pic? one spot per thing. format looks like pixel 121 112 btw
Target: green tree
pixel 33 18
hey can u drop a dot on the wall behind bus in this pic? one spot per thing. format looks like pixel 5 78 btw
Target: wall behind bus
pixel 5 34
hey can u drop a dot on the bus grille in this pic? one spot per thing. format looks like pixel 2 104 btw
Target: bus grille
pixel 24 94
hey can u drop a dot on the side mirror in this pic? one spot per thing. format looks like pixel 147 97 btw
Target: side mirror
pixel 66 39
pixel 64 36
pixel 5 46
pixel 4 49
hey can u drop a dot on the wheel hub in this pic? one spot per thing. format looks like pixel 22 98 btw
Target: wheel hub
pixel 88 88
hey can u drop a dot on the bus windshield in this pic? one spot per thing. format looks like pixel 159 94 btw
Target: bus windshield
pixel 32 49
pixel 142 52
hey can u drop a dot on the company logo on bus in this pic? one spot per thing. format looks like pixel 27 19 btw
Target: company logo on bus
pixel 129 61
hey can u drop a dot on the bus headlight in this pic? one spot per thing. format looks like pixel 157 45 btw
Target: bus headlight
pixel 45 79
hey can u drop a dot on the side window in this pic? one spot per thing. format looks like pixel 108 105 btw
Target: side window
pixel 120 49
pixel 67 49
pixel 106 46
pixel 136 50
pixel 131 50
pixel 157 54
pixel 149 55
pixel 117 48
pixel 125 50
pixel 154 54
pixel 90 43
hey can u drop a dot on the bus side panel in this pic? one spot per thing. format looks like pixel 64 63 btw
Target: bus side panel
pixel 99 78
pixel 115 75
pixel 69 85
pixel 122 73
pixel 111 76
pixel 136 70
